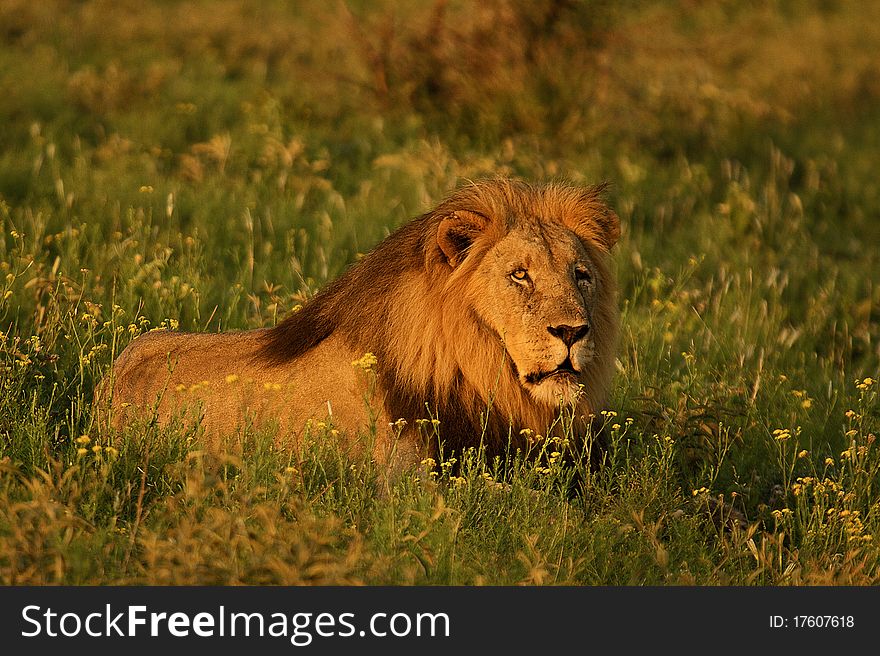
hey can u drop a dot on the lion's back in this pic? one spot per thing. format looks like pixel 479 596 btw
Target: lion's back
pixel 149 371
pixel 227 381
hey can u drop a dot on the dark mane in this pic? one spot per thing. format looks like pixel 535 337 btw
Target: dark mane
pixel 357 306
pixel 463 422
pixel 301 331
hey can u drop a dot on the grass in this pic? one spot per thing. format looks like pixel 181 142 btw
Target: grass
pixel 177 166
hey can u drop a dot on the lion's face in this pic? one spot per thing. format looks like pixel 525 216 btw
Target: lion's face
pixel 534 265
pixel 540 288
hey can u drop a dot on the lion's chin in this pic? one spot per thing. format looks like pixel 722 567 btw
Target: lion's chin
pixel 556 390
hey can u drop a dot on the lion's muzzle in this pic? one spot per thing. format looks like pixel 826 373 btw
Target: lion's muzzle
pixel 569 334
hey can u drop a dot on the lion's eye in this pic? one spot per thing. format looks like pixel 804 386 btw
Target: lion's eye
pixel 583 275
pixel 520 275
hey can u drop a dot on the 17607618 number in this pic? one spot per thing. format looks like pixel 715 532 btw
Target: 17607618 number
pixel 812 622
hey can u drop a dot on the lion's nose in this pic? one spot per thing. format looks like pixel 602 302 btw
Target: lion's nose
pixel 569 334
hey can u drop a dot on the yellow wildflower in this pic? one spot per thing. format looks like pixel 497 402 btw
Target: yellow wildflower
pixel 367 362
pixel 781 434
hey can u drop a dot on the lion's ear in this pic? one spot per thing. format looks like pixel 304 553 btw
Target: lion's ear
pixel 596 222
pixel 609 226
pixel 456 233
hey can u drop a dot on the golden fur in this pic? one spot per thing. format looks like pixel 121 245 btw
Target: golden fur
pixel 486 313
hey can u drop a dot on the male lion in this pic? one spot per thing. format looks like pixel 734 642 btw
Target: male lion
pixel 488 314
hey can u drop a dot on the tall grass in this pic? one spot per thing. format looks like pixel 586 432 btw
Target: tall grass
pixel 179 167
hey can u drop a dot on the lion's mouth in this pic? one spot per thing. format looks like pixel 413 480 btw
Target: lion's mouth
pixel 566 369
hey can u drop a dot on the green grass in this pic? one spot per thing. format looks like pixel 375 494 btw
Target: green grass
pixel 210 167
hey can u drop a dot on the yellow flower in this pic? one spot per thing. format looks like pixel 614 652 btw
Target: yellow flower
pixel 803 454
pixel 231 378
pixel 97 449
pixel 81 452
pixel 111 451
pixel 367 362
pixel 829 461
pixel 83 440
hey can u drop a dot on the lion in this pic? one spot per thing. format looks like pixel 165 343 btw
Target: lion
pixel 486 316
